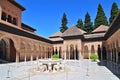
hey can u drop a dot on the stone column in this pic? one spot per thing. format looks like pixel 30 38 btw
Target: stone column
pixel 17 56
pixel 69 54
pixel 101 54
pixel 74 53
pixel 37 57
pixel 25 57
pixel 65 57
pixel 79 55
pixel 41 54
pixel 0 12
pixel 58 51
pixel 31 57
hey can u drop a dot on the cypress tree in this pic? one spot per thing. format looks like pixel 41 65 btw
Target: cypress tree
pixel 100 19
pixel 64 23
pixel 80 24
pixel 87 23
pixel 113 13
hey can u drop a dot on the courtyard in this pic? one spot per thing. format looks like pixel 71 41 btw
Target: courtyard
pixel 84 69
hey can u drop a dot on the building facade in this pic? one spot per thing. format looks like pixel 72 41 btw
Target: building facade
pixel 18 41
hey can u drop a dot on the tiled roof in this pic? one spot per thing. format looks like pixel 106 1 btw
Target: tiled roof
pixel 57 34
pixel 56 39
pixel 23 24
pixel 73 31
pixel 95 35
pixel 114 26
pixel 101 28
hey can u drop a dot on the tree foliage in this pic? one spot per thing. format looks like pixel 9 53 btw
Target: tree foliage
pixel 87 23
pixel 113 13
pixel 100 19
pixel 80 24
pixel 64 23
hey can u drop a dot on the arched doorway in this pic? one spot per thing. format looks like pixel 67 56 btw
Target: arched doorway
pixel 71 52
pixel 92 49
pixel 104 54
pixel 60 51
pixel 77 53
pixel 67 52
pixel 99 52
pixel 56 51
pixel 118 57
pixel 49 54
pixel 86 52
pixel 7 50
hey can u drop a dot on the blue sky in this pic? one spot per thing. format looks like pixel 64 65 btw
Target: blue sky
pixel 46 15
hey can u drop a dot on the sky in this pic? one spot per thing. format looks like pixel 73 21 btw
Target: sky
pixel 45 15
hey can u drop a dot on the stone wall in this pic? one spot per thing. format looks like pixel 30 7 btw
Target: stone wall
pixel 27 48
pixel 113 47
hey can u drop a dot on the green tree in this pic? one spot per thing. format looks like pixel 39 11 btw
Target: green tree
pixel 87 23
pixel 100 19
pixel 80 24
pixel 113 13
pixel 64 23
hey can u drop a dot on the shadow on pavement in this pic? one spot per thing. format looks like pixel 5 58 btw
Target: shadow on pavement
pixel 113 67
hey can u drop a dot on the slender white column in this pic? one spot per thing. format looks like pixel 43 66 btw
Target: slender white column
pixel 17 56
pixel 31 57
pixel 0 12
pixel 25 57
pixel 74 53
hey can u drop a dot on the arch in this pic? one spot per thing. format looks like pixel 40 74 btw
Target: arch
pixel 115 55
pixel 77 53
pixel 13 39
pixel 112 55
pixel 29 46
pixel 7 50
pixel 119 58
pixel 34 52
pixel 4 16
pixel 60 52
pixel 39 51
pixel 108 52
pixel 92 49
pixel 117 45
pixel 49 52
pixel 53 52
pixel 14 21
pixel 9 19
pixel 56 51
pixel 35 47
pixel 67 52
pixel 22 46
pixel 43 52
pixel 71 51
pixel 86 52
pixel 104 53
pixel 99 52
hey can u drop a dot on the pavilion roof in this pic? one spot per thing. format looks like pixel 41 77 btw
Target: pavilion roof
pixel 73 31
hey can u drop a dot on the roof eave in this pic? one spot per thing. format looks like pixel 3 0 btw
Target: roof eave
pixel 17 4
pixel 28 26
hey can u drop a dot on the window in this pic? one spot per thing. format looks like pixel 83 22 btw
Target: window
pixel 9 19
pixel 14 21
pixel 3 16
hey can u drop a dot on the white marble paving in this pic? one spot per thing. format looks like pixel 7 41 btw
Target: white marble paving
pixel 75 70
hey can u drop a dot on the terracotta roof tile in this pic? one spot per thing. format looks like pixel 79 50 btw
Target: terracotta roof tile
pixel 57 34
pixel 73 31
pixel 95 35
pixel 101 28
